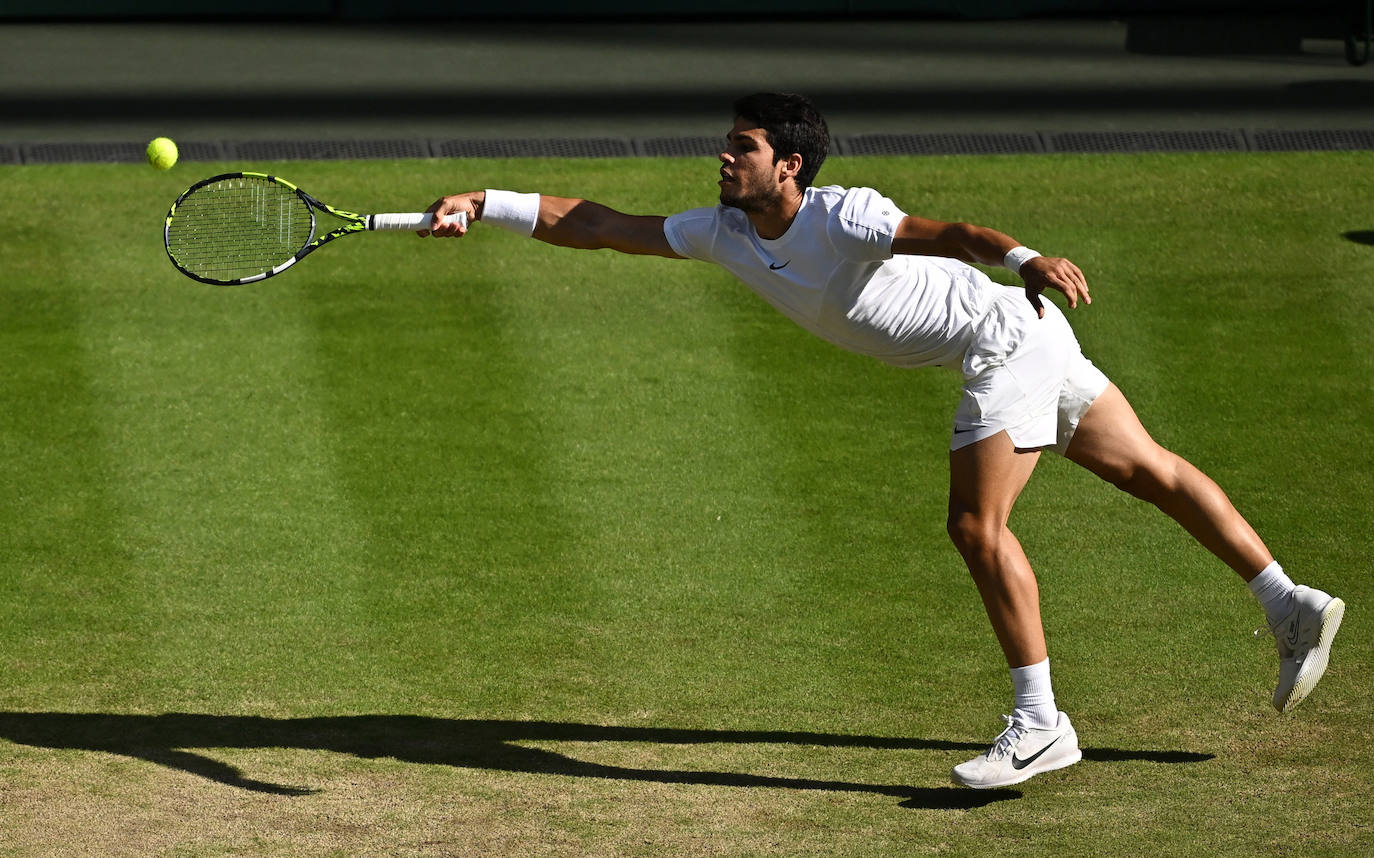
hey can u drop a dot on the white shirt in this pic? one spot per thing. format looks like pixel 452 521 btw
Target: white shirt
pixel 833 273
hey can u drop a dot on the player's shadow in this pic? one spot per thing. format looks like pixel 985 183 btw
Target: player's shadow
pixel 170 740
pixel 1361 236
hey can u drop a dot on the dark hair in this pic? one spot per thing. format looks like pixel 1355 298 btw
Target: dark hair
pixel 792 125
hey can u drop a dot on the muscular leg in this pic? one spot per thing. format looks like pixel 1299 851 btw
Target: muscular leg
pixel 985 480
pixel 1111 443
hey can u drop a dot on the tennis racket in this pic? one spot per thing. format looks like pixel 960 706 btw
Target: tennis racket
pixel 242 227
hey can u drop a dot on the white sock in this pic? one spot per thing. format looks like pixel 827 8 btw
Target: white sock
pixel 1033 696
pixel 1274 590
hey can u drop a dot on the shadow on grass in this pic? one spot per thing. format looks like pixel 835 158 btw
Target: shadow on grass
pixel 478 744
pixel 1361 236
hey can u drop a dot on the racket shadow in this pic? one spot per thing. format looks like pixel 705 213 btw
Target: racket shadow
pixel 168 740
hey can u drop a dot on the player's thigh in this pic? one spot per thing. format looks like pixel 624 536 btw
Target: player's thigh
pixel 1111 442
pixel 986 478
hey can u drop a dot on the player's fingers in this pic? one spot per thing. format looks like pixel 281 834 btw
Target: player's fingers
pixel 433 208
pixel 446 224
pixel 452 218
pixel 444 219
pixel 1033 295
pixel 1071 292
pixel 1081 281
pixel 1081 289
pixel 1073 284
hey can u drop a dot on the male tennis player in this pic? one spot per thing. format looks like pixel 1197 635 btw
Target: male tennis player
pixel 850 266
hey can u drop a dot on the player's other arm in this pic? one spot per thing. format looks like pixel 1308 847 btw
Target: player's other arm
pixel 969 243
pixel 568 222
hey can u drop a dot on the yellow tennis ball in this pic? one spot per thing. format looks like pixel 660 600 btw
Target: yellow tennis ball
pixel 162 153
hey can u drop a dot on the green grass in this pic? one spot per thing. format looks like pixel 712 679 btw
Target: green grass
pixel 491 548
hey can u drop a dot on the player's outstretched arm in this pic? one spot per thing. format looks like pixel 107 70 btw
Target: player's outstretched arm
pixel 964 241
pixel 561 221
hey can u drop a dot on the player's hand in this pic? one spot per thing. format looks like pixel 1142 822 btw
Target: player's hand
pixel 1048 272
pixel 445 208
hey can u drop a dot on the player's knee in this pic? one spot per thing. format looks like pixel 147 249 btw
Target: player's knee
pixel 973 534
pixel 1151 480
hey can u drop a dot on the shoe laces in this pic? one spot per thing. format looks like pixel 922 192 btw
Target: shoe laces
pixel 1007 739
pixel 1286 636
pixel 1272 629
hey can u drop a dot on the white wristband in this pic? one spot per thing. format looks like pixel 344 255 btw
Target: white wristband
pixel 1018 256
pixel 515 212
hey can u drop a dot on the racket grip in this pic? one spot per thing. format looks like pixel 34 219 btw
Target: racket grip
pixel 408 220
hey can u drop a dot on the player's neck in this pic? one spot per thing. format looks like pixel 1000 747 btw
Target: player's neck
pixel 773 222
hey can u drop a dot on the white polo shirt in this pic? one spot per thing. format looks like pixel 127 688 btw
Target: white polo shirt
pixel 834 273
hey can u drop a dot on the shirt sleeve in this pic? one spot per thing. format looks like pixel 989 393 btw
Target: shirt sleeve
pixel 692 233
pixel 863 226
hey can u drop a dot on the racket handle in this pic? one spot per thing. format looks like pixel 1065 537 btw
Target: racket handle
pixel 408 220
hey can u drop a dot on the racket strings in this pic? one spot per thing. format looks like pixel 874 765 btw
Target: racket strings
pixel 238 227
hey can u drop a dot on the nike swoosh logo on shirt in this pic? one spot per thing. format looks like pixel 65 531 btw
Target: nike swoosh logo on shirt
pixel 1018 763
pixel 775 267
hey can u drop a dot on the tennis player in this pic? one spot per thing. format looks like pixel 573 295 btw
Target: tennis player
pixel 852 267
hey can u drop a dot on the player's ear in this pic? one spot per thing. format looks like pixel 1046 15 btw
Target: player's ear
pixel 791 166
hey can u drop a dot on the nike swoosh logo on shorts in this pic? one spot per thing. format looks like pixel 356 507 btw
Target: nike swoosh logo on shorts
pixel 1018 763
pixel 775 267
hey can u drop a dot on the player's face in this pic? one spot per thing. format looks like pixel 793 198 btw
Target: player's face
pixel 749 178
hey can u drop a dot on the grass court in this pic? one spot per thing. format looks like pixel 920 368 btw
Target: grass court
pixel 440 548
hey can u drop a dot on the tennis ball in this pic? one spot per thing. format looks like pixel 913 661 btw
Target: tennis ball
pixel 162 153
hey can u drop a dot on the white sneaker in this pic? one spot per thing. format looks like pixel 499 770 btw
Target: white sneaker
pixel 1304 639
pixel 1020 753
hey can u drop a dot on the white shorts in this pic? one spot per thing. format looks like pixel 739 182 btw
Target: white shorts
pixel 1024 375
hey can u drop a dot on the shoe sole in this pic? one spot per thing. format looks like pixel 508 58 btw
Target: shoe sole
pixel 1025 774
pixel 1314 666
